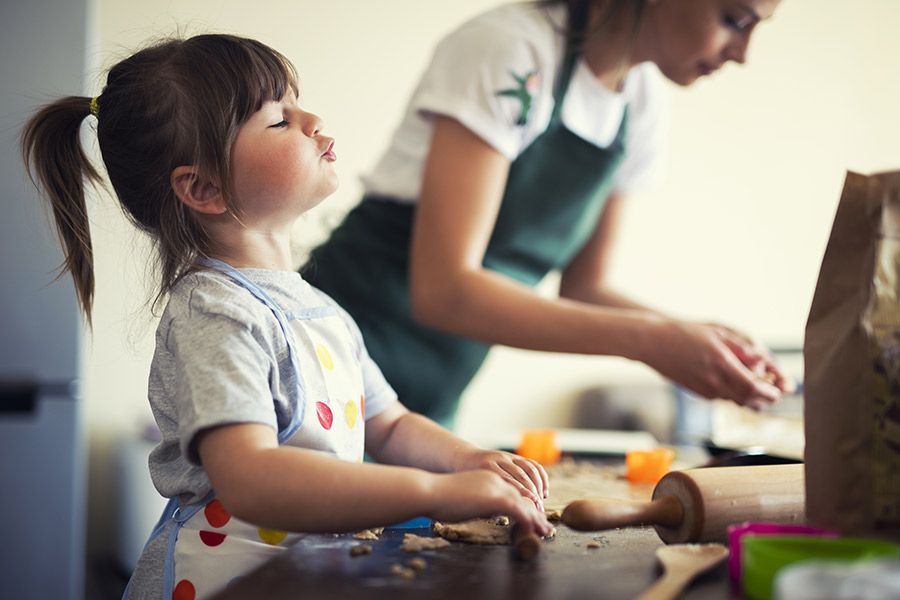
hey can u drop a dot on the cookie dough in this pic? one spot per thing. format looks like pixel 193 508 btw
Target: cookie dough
pixel 360 549
pixel 402 572
pixel 487 532
pixel 573 480
pixel 569 481
pixel 417 543
pixel 475 531
pixel 369 534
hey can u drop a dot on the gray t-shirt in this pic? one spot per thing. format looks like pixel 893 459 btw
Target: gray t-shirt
pixel 222 358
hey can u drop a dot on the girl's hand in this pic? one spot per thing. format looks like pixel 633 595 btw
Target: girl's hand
pixel 481 493
pixel 524 474
pixel 716 362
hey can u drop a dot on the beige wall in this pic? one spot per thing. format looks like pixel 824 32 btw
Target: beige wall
pixel 757 158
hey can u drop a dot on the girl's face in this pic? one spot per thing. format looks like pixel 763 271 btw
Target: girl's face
pixel 281 164
pixel 688 39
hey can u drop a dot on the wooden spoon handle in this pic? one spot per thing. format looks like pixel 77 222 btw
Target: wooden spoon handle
pixel 667 587
pixel 595 514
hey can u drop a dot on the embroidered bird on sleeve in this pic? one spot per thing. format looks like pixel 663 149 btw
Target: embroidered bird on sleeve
pixel 523 93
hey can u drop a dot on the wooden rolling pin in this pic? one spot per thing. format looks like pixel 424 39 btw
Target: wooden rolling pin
pixel 525 546
pixel 698 505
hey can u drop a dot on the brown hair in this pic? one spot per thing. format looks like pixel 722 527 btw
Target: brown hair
pixel 177 102
pixel 608 12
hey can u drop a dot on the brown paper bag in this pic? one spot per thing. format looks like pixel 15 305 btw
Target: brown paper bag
pixel 852 366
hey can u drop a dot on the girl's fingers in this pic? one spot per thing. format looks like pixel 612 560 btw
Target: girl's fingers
pixel 528 520
pixel 516 477
pixel 537 474
pixel 525 475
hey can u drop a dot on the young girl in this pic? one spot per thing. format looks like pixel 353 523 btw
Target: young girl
pixel 528 131
pixel 260 383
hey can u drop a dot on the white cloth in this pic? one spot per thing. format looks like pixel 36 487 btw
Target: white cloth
pixel 473 63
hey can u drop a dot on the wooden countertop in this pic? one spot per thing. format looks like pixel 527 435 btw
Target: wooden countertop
pixel 320 566
pixel 623 566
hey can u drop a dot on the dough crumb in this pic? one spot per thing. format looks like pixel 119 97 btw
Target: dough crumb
pixel 474 531
pixel 402 572
pixel 478 531
pixel 369 534
pixel 593 545
pixel 416 543
pixel 502 521
pixel 417 564
pixel 553 515
pixel 360 549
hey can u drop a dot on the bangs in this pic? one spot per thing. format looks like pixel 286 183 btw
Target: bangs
pixel 224 80
pixel 264 75
pixel 246 74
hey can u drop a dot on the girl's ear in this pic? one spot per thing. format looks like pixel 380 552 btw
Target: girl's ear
pixel 196 192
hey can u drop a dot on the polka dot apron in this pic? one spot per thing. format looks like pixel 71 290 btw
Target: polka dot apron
pixel 208 548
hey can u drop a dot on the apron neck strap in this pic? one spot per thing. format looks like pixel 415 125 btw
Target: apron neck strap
pixel 578 18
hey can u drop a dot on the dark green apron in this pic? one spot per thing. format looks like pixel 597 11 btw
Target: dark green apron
pixel 556 191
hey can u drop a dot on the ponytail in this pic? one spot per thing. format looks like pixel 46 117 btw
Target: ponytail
pixel 175 102
pixel 57 164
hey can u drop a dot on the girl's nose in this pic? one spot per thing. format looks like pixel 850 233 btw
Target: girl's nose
pixel 313 125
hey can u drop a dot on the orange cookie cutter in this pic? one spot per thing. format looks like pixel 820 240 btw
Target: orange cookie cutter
pixel 648 466
pixel 539 445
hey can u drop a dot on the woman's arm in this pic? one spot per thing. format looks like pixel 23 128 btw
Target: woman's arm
pixel 451 290
pixel 293 489
pixel 586 280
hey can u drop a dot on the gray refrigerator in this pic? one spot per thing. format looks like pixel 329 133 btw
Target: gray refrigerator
pixel 42 452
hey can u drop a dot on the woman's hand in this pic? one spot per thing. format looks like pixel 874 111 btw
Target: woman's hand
pixel 524 474
pixel 481 493
pixel 716 362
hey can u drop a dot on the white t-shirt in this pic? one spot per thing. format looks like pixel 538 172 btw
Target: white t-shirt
pixel 486 55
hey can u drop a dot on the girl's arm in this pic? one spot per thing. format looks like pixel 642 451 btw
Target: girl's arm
pixel 294 489
pixel 450 290
pixel 399 437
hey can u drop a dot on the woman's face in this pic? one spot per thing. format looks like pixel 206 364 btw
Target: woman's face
pixel 688 39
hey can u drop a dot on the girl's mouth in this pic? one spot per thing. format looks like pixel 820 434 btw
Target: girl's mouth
pixel 329 154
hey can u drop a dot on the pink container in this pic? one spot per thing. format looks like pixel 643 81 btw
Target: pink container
pixel 736 532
